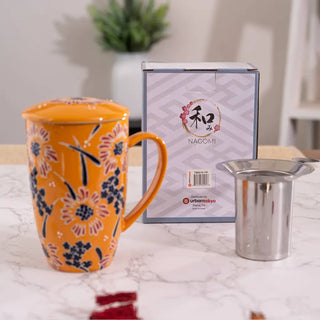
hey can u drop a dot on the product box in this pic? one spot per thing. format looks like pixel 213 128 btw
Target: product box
pixel 206 113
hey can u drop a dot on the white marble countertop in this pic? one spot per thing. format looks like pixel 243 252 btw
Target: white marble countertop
pixel 180 271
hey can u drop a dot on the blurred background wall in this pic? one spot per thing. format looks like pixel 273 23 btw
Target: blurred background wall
pixel 48 50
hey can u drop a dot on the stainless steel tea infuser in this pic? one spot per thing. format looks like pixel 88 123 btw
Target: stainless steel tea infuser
pixel 263 197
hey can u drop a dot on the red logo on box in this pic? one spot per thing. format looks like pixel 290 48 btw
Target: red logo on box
pixel 185 200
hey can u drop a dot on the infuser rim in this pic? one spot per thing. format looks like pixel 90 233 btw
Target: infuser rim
pixel 271 170
pixel 306 160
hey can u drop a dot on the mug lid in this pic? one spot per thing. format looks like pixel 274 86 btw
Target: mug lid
pixel 76 110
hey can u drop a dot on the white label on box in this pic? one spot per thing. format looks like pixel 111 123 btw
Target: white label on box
pixel 199 179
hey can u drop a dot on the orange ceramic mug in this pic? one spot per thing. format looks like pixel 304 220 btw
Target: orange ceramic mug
pixel 78 150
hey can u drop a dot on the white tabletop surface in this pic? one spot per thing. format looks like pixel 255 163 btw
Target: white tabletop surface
pixel 180 271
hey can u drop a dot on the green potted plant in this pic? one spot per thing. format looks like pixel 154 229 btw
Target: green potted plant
pixel 130 28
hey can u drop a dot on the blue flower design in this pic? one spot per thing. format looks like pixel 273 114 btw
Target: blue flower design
pixel 39 195
pixel 112 193
pixel 42 204
pixel 118 148
pixel 34 182
pixel 84 212
pixel 35 148
pixel 74 256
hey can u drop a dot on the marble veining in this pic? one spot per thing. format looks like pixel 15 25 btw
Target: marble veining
pixel 180 271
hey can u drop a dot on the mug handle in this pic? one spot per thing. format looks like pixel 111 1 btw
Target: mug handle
pixel 142 205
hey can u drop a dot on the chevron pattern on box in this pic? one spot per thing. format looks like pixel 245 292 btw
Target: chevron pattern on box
pixel 167 93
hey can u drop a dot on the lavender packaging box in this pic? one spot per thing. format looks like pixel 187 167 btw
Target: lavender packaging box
pixel 206 113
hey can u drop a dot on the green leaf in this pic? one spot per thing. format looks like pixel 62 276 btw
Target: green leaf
pixel 116 11
pixel 161 12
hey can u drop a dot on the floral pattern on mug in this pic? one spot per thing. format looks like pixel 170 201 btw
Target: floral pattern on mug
pixel 84 207
pixel 124 159
pixel 113 244
pixel 105 260
pixel 43 208
pixel 112 144
pixel 40 153
pixel 50 251
pixel 112 192
pixel 77 149
pixel 74 254
pixel 53 259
